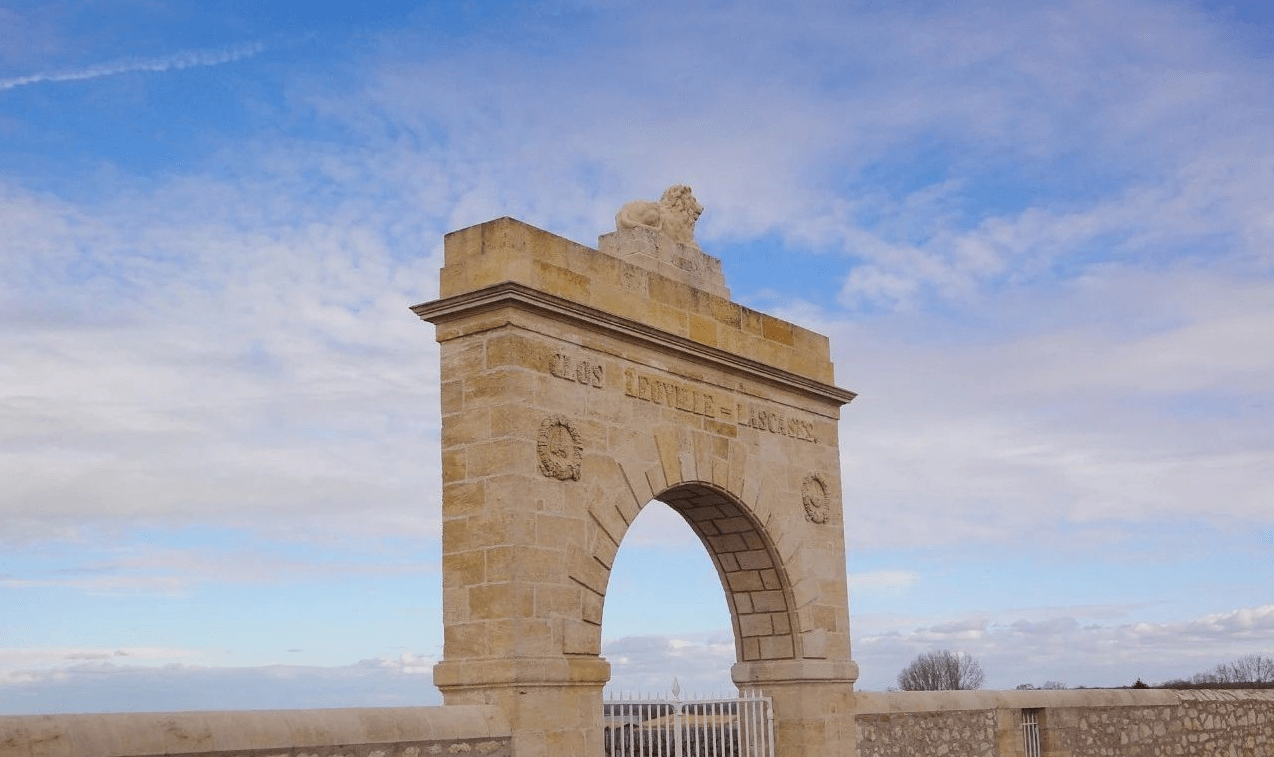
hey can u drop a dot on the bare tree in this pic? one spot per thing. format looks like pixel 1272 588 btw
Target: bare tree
pixel 1048 686
pixel 1252 668
pixel 943 670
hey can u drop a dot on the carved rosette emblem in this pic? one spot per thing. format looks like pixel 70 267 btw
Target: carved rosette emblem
pixel 559 449
pixel 815 498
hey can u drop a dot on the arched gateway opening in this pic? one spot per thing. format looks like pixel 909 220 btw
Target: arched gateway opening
pixel 666 624
pixel 757 590
pixel 577 386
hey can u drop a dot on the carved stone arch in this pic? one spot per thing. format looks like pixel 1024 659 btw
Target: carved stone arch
pixel 577 386
pixel 753 574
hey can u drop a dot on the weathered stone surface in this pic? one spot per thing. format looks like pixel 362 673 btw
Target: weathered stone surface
pixel 609 378
pixel 390 731
pixel 674 216
pixel 1108 723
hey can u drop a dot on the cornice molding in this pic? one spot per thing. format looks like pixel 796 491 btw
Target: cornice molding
pixel 507 293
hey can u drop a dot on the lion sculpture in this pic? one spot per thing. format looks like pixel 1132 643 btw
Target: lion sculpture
pixel 674 215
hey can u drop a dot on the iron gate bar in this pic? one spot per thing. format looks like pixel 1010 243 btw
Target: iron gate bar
pixel 659 726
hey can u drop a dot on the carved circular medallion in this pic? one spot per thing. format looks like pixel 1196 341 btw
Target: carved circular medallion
pixel 559 449
pixel 815 498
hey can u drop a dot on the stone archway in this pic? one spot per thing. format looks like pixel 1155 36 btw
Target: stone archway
pixel 758 592
pixel 577 386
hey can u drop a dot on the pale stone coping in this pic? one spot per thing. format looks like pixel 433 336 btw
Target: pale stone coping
pixel 157 733
pixel 499 295
pixel 564 671
pixel 896 702
pixel 1226 695
pixel 760 672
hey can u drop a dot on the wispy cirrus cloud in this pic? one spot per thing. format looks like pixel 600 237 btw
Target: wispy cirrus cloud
pixel 189 59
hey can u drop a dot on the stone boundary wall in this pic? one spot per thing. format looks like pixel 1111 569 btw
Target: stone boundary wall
pixel 1072 723
pixel 452 731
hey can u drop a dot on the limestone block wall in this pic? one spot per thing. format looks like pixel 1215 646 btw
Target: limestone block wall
pixel 1087 723
pixel 961 733
pixel 472 731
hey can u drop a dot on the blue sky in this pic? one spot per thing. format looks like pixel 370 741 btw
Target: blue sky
pixel 1040 237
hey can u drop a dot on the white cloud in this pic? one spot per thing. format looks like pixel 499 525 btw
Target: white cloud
pixel 881 580
pixel 648 664
pixel 661 527
pixel 1126 397
pixel 150 569
pixel 22 664
pixel 1012 651
pixel 107 687
pixel 176 62
pixel 810 146
pixel 221 368
pixel 1061 648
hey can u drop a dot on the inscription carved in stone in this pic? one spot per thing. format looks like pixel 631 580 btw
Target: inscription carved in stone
pixel 672 394
pixel 815 498
pixel 757 417
pixel 586 372
pixel 692 399
pixel 559 448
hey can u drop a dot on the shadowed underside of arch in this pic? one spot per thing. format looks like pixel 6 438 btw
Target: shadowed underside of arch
pixel 755 583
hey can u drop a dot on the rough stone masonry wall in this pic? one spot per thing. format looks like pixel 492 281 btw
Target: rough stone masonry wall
pixel 1204 723
pixel 964 733
pixel 459 731
pixel 1077 723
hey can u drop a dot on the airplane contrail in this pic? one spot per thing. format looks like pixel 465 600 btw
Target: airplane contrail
pixel 174 62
